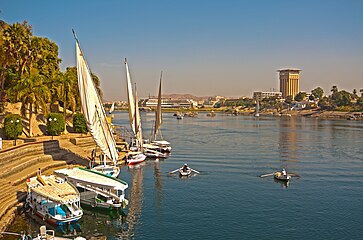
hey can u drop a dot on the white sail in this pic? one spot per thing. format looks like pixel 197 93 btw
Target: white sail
pixel 112 108
pixel 93 110
pixel 134 114
pixel 158 113
pixel 130 99
pixel 138 122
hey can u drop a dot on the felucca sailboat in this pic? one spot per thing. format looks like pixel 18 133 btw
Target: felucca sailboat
pixel 136 156
pixel 95 116
pixel 161 145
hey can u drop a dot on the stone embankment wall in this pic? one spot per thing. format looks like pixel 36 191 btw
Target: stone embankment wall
pixel 17 164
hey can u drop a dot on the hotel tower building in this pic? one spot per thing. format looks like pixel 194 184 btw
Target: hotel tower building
pixel 289 82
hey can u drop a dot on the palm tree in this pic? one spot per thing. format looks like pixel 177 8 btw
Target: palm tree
pixel 33 95
pixel 65 89
pixel 334 89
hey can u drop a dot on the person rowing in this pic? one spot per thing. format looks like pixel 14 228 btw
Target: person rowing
pixel 185 167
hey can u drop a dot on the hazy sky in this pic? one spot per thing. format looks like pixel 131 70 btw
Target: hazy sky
pixel 204 47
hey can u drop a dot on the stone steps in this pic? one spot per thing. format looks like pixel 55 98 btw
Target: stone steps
pixel 18 166
pixel 20 177
pixel 11 200
pixel 11 155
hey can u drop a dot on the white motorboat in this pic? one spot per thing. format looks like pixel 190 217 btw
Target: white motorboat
pixel 96 189
pixel 53 199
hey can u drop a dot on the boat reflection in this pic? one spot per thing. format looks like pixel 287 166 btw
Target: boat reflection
pixel 135 204
pixel 284 184
pixel 66 230
pixel 102 222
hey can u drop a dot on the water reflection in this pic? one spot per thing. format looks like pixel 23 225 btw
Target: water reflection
pixel 136 197
pixel 288 140
pixel 284 184
pixel 158 185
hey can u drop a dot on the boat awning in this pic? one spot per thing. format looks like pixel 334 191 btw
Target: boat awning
pixel 88 177
pixel 51 188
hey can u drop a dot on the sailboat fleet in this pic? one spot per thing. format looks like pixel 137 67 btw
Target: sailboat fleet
pixel 57 198
pixel 140 146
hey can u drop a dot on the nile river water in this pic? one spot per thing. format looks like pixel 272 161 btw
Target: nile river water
pixel 229 200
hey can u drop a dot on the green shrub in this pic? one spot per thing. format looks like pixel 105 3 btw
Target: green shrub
pixel 79 124
pixel 13 126
pixel 55 123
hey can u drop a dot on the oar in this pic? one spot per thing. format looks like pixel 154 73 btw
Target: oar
pixel 266 175
pixel 294 175
pixel 194 170
pixel 174 171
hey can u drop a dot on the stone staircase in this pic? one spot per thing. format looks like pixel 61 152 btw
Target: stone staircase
pixel 17 164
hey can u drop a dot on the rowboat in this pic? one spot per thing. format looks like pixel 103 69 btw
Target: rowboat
pixel 282 176
pixel 185 170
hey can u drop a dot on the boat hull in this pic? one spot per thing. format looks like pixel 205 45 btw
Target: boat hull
pixel 279 176
pixel 136 159
pixel 46 217
pixel 183 173
pixel 108 170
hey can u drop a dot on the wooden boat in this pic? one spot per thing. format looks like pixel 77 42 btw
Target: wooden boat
pixel 95 115
pixel 96 189
pixel 53 199
pixel 211 114
pixel 159 145
pixel 279 175
pixel 134 158
pixel 135 121
pixel 185 170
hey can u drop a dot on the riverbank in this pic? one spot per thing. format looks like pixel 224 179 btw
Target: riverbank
pixel 18 163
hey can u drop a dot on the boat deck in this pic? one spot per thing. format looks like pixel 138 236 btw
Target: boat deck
pixel 53 188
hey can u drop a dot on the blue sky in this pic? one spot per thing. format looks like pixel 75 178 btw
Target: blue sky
pixel 204 47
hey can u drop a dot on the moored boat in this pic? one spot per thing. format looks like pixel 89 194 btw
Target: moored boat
pixel 134 158
pixel 95 115
pixel 53 199
pixel 163 145
pixel 96 189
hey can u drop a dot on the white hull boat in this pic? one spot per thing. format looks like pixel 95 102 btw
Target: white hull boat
pixel 134 158
pixel 53 199
pixel 96 190
pixel 95 115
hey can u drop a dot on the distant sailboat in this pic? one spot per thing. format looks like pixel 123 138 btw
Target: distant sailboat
pixel 95 115
pixel 163 145
pixel 112 108
pixel 257 113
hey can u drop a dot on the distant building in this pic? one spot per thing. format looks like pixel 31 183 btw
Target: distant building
pixel 262 95
pixel 168 103
pixel 289 82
